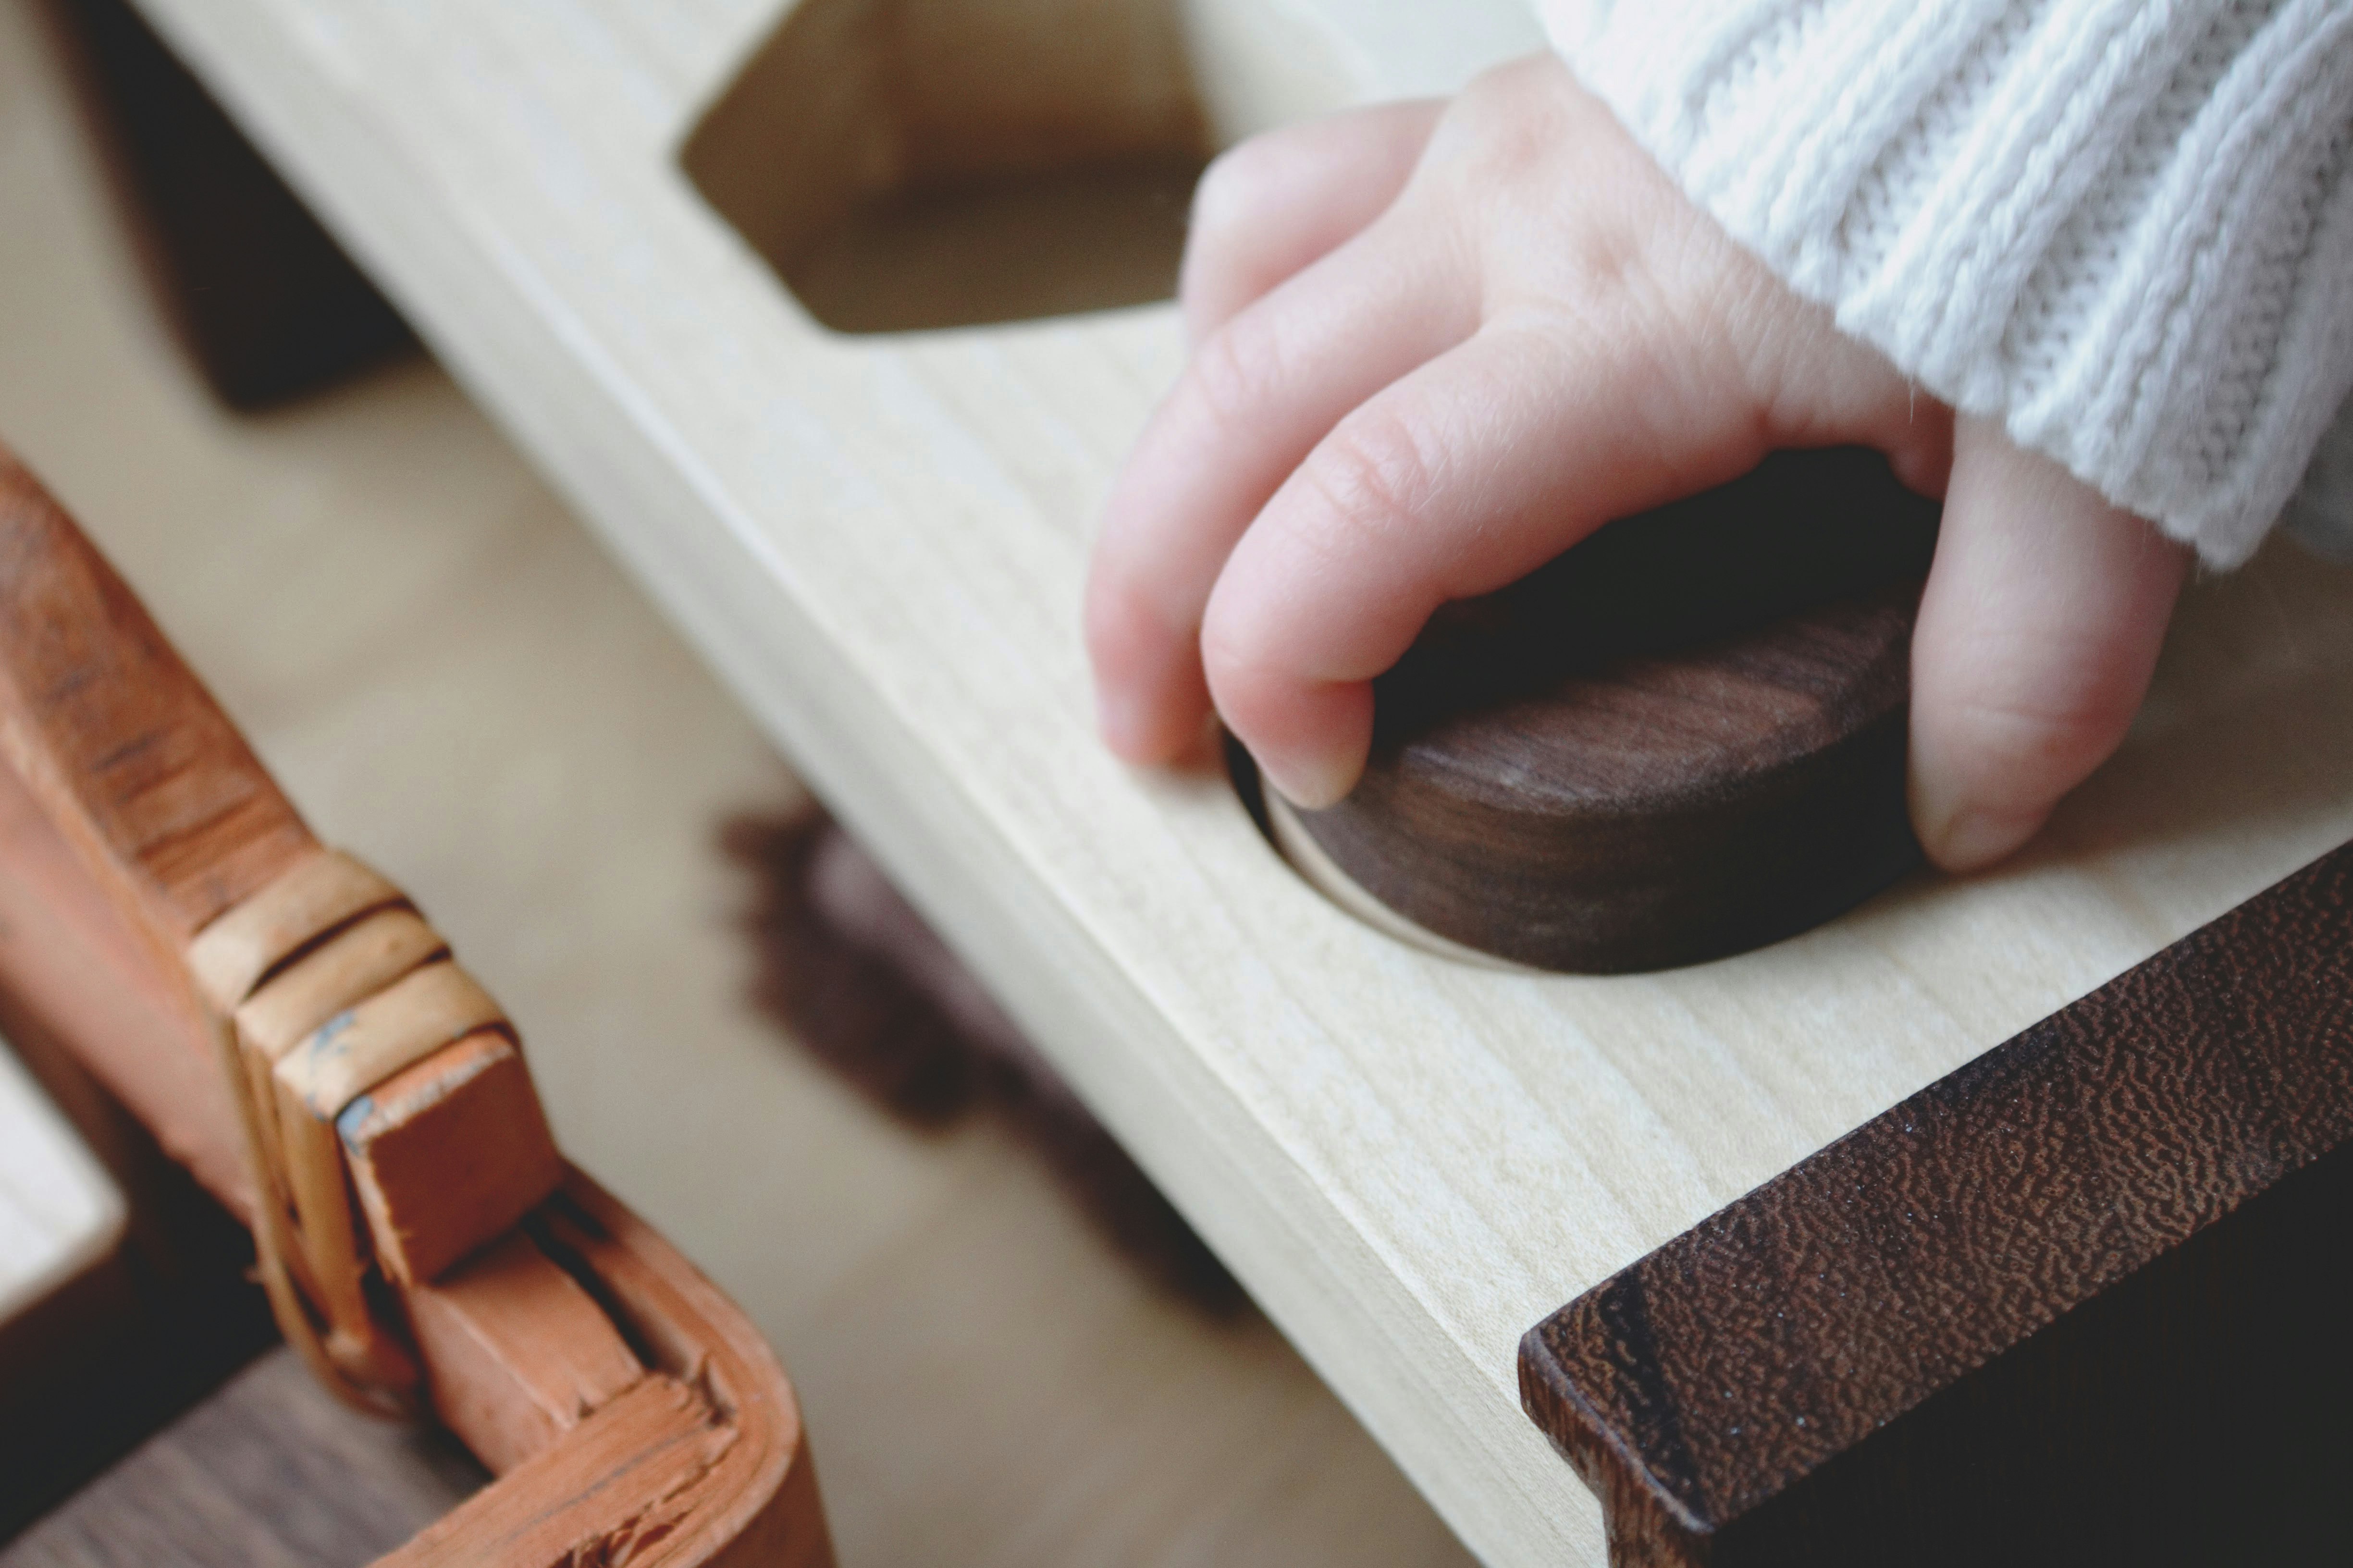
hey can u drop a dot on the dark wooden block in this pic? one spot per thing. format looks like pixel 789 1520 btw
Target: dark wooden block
pixel 2084 1300
pixel 1683 738
pixel 269 305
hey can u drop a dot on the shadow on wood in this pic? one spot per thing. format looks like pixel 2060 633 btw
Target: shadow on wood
pixel 920 163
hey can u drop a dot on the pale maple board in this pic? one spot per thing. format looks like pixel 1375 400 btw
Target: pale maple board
pixel 443 668
pixel 879 542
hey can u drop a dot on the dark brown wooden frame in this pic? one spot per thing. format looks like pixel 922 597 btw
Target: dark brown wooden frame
pixel 2084 1300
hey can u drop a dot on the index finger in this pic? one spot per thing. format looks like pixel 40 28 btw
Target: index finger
pixel 1458 480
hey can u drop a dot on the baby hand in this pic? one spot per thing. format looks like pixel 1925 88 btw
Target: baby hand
pixel 1435 346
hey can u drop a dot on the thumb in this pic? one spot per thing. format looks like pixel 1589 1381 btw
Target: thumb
pixel 2038 633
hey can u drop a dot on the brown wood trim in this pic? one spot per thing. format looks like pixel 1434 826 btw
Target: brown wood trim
pixel 117 739
pixel 2083 1300
pixel 135 814
pixel 77 966
pixel 701 1463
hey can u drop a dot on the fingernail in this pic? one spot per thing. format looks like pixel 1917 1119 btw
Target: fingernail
pixel 1975 838
pixel 1311 784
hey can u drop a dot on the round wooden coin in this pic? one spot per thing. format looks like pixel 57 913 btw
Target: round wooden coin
pixel 1683 739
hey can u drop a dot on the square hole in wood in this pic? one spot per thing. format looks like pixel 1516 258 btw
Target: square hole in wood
pixel 922 163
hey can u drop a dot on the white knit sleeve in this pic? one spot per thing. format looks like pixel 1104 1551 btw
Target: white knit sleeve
pixel 2123 227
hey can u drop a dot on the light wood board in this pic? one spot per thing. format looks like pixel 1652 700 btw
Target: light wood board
pixel 878 541
pixel 440 665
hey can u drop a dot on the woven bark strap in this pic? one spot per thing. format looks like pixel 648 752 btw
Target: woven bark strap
pixel 320 894
pixel 321 985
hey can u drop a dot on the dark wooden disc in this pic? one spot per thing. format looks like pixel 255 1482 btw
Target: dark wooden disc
pixel 1683 739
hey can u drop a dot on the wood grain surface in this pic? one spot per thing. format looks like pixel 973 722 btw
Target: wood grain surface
pixel 268 1472
pixel 117 738
pixel 511 1319
pixel 1683 738
pixel 878 542
pixel 434 657
pixel 132 760
pixel 2082 1302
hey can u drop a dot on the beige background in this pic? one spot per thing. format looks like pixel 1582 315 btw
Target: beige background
pixel 454 682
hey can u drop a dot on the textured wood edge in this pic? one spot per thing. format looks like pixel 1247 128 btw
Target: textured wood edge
pixel 448 1154
pixel 151 817
pixel 1718 865
pixel 2016 1303
pixel 360 961
pixel 514 1319
pixel 85 975
pixel 763 1507
pixel 431 1006
pixel 118 739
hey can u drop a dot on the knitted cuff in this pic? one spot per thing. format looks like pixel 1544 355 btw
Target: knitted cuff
pixel 2123 227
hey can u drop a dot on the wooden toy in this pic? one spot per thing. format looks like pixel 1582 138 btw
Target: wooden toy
pixel 1683 740
pixel 879 537
pixel 628 1406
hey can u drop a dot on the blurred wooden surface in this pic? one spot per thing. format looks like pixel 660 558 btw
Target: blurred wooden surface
pixel 271 1472
pixel 455 682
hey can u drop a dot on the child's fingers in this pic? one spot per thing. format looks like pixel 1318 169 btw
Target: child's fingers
pixel 1254 400
pixel 1282 200
pixel 1453 483
pixel 2037 636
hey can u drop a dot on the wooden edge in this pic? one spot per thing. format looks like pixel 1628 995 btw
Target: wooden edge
pixel 702 1461
pixel 407 1021
pixel 1306 854
pixel 448 1154
pixel 74 963
pixel 118 740
pixel 520 1353
pixel 627 1478
pixel 2081 1300
pixel 688 1327
pixel 359 960
pixel 143 818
